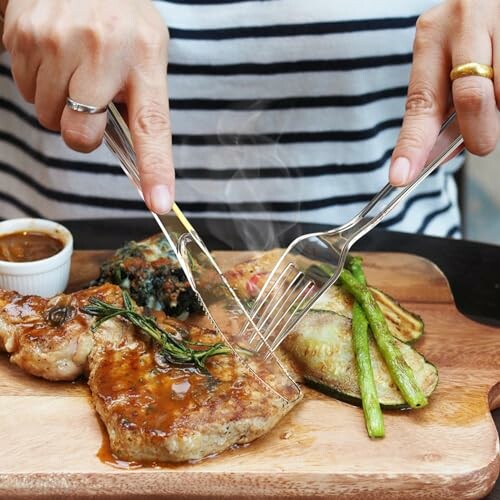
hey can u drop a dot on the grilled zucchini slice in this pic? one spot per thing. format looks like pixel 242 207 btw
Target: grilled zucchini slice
pixel 404 325
pixel 322 348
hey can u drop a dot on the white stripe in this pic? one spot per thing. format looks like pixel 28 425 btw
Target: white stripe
pixel 290 120
pixel 284 12
pixel 289 155
pixel 360 81
pixel 295 48
pixel 289 190
pixel 336 216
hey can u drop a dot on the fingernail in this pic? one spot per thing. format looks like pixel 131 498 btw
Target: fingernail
pixel 400 171
pixel 160 199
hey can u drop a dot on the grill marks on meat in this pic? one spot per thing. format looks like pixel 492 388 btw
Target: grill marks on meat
pixel 153 410
pixel 157 411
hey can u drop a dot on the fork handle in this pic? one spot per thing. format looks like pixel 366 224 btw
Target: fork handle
pixel 448 144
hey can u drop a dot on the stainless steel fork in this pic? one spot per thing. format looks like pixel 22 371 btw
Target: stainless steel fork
pixel 293 287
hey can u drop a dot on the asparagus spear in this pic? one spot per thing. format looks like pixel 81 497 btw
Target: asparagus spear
pixel 354 264
pixel 374 419
pixel 400 372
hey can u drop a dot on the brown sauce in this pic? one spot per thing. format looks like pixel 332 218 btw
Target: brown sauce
pixel 27 246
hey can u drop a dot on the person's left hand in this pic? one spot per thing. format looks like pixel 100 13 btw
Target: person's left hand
pixel 453 33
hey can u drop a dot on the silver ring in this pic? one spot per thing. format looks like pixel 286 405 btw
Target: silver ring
pixel 84 108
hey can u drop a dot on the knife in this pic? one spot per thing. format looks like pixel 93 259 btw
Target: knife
pixel 219 301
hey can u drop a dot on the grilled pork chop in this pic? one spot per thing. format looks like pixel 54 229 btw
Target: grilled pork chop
pixel 153 410
pixel 51 338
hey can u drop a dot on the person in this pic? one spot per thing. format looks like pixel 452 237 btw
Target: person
pixel 279 109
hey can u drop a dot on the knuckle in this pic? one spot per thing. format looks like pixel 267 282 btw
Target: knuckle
pixel 462 9
pixel 421 100
pixel 429 31
pixel 152 39
pixel 83 139
pixel 426 23
pixel 93 37
pixel 113 34
pixel 469 95
pixel 53 41
pixel 411 138
pixel 151 119
pixel 25 33
pixel 113 41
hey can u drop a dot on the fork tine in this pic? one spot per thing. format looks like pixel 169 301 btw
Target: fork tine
pixel 303 296
pixel 281 278
pixel 281 301
pixel 267 303
pixel 280 308
pixel 285 329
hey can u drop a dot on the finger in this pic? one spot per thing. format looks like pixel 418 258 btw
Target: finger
pixel 426 103
pixel 51 92
pixel 20 40
pixel 474 96
pixel 151 133
pixel 92 86
pixel 60 58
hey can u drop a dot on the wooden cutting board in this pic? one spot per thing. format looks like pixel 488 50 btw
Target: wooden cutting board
pixel 50 435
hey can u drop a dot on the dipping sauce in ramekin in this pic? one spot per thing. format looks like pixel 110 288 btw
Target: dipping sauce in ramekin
pixel 27 246
pixel 35 256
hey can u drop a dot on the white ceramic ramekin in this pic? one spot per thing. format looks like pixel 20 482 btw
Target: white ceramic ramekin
pixel 45 277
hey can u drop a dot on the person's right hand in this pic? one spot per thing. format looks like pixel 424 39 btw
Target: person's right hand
pixel 95 51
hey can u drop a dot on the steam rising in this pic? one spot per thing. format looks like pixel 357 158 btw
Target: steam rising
pixel 256 230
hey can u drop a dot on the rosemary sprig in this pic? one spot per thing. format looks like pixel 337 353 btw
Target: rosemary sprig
pixel 173 349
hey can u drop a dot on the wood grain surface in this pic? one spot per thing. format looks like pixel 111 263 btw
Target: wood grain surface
pixel 50 434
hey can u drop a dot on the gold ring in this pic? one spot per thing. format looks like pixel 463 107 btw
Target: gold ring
pixel 471 69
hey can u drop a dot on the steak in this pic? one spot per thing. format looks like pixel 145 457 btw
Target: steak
pixel 153 410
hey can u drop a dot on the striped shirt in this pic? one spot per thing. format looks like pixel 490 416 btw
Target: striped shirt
pixel 280 109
